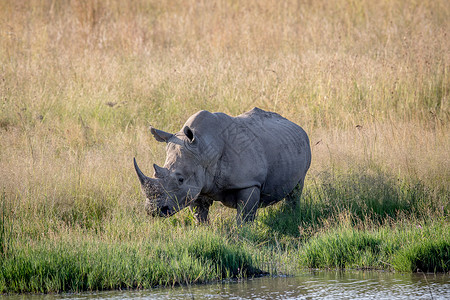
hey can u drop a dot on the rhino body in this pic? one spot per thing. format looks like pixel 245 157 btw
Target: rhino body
pixel 246 162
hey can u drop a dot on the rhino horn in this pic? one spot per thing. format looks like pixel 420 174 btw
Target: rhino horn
pixel 159 135
pixel 159 171
pixel 142 178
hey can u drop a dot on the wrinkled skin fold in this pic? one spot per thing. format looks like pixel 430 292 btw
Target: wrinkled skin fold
pixel 246 162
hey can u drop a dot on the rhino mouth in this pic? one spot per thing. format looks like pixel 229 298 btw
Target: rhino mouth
pixel 155 210
pixel 165 211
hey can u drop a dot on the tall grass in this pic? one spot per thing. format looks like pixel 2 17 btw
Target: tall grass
pixel 80 81
pixel 77 264
pixel 423 248
pixel 5 227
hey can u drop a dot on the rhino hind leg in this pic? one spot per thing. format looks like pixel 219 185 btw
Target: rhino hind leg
pixel 200 209
pixel 293 198
pixel 247 204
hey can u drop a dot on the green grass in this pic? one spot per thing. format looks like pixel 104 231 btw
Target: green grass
pixel 406 248
pixel 91 264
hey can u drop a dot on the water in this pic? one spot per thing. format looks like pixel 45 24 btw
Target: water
pixel 318 285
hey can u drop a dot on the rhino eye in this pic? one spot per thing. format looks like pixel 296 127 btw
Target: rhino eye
pixel 180 180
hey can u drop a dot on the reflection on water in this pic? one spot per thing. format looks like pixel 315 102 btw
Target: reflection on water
pixel 323 285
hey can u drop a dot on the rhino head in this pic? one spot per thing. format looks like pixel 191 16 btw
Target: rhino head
pixel 182 178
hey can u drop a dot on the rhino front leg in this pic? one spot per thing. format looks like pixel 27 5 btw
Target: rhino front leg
pixel 247 204
pixel 200 208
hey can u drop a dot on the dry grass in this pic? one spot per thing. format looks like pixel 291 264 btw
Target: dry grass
pixel 328 66
pixel 81 80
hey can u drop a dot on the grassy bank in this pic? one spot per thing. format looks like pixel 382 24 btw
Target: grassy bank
pixel 92 264
pixel 400 227
pixel 405 248
pixel 80 81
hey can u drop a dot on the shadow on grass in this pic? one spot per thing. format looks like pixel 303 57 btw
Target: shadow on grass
pixel 362 197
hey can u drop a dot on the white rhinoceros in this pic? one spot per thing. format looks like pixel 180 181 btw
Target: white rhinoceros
pixel 249 161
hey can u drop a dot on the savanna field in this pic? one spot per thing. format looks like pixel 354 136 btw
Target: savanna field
pixel 80 81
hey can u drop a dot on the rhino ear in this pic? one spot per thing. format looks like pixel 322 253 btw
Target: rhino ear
pixel 159 135
pixel 189 133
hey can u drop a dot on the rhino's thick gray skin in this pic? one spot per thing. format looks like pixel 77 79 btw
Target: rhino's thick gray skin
pixel 245 162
